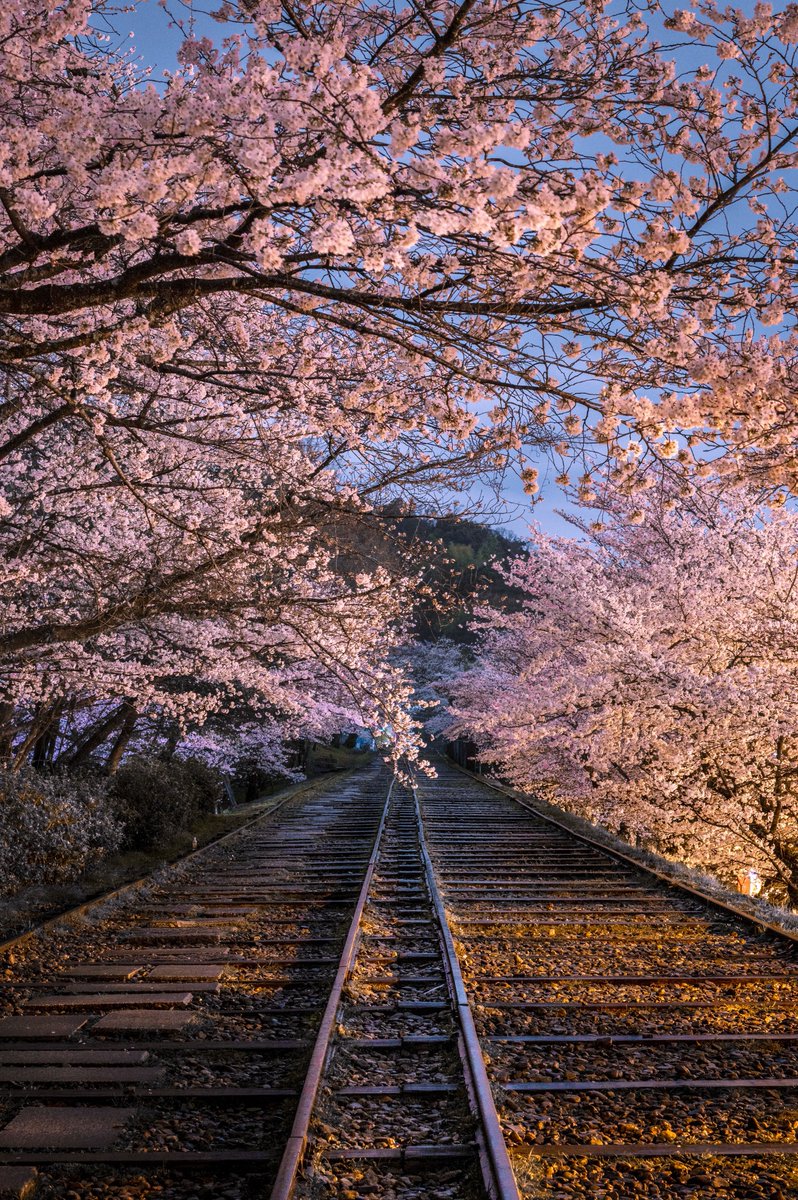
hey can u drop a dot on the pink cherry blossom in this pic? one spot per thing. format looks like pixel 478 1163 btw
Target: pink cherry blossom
pixel 647 682
pixel 349 260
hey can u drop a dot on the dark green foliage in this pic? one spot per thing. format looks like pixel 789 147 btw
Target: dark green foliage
pixel 51 828
pixel 156 799
pixel 469 577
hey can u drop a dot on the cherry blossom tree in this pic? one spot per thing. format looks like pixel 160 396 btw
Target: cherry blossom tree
pixel 354 255
pixel 185 553
pixel 649 684
pixel 565 218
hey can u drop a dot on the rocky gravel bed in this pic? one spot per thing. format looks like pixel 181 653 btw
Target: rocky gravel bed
pixel 602 1118
pixel 388 947
pixel 477 909
pixel 274 955
pixel 215 1069
pixel 395 1121
pixel 582 955
pixel 406 972
pixel 365 1068
pixel 561 902
pixel 351 1181
pixel 241 1027
pixel 300 994
pixel 678 1060
pixel 743 995
pixel 635 1019
pixel 183 1125
pixel 390 993
pixel 256 916
pixel 381 928
pixel 700 1178
pixel 315 974
pixel 306 925
pixel 84 1184
pixel 367 1021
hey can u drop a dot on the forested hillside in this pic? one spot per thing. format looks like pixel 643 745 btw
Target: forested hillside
pixel 464 560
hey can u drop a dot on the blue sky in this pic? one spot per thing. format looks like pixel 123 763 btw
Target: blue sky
pixel 156 40
pixel 155 36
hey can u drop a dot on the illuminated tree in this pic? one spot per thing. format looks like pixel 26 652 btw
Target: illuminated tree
pixel 649 683
pixel 354 255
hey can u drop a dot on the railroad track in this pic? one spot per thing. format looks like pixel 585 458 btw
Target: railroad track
pixel 159 1044
pixel 401 1106
pixel 640 1040
pixel 220 1032
pixel 430 995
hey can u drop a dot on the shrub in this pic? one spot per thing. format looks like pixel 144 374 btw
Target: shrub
pixel 155 799
pixel 52 828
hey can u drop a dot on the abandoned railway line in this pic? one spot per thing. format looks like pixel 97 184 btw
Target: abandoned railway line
pixel 374 991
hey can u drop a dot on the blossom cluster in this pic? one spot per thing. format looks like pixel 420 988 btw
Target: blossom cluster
pixel 647 682
pixel 342 261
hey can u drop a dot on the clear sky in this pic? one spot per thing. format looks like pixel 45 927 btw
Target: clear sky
pixel 154 34
pixel 156 40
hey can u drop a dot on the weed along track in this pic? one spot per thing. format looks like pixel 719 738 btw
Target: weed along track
pixel 640 1041
pixel 429 995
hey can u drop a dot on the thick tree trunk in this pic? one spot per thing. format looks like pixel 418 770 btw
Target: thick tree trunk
pixel 43 717
pixel 96 736
pixel 123 738
pixel 6 731
pixel 787 854
pixel 45 745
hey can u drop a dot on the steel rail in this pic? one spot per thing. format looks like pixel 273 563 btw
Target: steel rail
pixel 495 1161
pixel 295 1147
pixel 678 1147
pixel 133 885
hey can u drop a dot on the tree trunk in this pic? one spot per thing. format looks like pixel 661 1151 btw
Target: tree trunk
pixel 96 736
pixel 6 731
pixel 41 736
pixel 787 854
pixel 45 747
pixel 123 738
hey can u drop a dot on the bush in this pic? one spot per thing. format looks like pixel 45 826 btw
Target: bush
pixel 52 828
pixel 155 800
